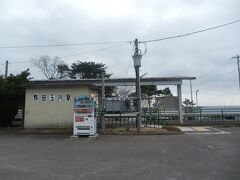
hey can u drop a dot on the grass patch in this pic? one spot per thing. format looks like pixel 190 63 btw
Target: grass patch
pixel 144 131
pixel 172 128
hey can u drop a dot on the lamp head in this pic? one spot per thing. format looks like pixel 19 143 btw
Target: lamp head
pixel 137 60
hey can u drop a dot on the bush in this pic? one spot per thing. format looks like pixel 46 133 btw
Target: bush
pixel 12 95
pixel 172 128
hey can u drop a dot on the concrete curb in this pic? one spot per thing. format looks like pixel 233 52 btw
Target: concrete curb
pixel 147 133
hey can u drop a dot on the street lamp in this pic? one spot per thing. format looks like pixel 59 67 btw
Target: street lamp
pixel 197 97
pixel 143 75
pixel 137 64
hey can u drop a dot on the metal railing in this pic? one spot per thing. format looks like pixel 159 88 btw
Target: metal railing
pixel 159 118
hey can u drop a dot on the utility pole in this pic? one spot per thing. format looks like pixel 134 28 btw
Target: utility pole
pixel 137 64
pixel 197 97
pixel 238 57
pixel 6 70
pixel 191 90
pixel 103 104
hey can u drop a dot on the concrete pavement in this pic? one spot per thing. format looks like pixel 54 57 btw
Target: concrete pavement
pixel 202 130
pixel 181 157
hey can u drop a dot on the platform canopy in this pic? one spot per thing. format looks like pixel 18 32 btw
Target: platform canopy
pixel 112 81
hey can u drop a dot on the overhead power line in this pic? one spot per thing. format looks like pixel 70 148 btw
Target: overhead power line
pixel 118 42
pixel 211 79
pixel 191 33
pixel 77 54
pixel 19 62
pixel 64 45
pixel 93 51
pixel 215 67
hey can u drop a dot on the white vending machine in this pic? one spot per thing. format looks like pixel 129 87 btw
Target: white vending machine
pixel 84 121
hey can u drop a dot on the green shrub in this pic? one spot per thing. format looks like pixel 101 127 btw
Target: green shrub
pixel 12 95
pixel 172 128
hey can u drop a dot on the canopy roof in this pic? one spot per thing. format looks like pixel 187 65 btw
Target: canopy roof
pixel 111 82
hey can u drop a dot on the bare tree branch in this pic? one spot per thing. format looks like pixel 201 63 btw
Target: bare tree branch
pixel 123 91
pixel 47 65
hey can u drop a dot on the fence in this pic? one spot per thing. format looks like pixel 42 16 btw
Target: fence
pixel 159 118
pixel 214 116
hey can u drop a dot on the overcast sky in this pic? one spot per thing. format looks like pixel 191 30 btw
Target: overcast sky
pixel 206 56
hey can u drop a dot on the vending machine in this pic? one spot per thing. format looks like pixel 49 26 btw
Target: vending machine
pixel 84 121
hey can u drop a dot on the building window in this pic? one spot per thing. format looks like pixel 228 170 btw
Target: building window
pixel 69 97
pixel 60 97
pixel 35 97
pixel 44 97
pixel 51 97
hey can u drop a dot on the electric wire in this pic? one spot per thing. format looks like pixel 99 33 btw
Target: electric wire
pixel 233 98
pixel 20 62
pixel 92 51
pixel 128 68
pixel 205 74
pixel 227 94
pixel 64 45
pixel 119 42
pixel 215 77
pixel 191 33
pixel 87 52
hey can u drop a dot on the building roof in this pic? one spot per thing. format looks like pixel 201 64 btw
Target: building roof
pixel 176 80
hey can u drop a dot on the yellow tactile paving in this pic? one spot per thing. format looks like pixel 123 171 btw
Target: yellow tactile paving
pixel 200 129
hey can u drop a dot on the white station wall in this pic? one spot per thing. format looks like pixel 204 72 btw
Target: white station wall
pixel 44 107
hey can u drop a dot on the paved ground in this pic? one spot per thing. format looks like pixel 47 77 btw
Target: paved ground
pixel 202 130
pixel 182 157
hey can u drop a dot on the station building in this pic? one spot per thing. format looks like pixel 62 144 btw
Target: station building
pixel 49 103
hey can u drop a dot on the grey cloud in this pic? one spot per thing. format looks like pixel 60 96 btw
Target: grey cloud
pixel 54 22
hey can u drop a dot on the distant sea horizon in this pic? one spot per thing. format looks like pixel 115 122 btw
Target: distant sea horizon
pixel 221 107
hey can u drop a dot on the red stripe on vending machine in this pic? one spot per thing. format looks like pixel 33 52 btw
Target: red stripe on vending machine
pixel 79 118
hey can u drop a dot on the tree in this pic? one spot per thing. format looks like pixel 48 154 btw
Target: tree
pixel 91 70
pixel 12 95
pixel 123 91
pixel 88 70
pixel 63 71
pixel 47 65
pixel 149 90
pixel 188 105
pixel 165 92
